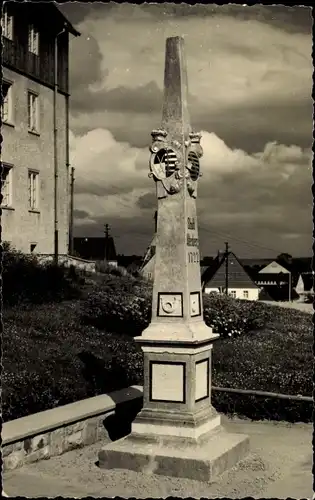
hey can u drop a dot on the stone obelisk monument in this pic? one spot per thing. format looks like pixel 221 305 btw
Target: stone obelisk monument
pixel 178 432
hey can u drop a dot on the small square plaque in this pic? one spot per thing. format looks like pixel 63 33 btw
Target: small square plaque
pixel 195 306
pixel 170 304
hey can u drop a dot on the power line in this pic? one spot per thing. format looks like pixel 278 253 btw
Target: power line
pixel 246 242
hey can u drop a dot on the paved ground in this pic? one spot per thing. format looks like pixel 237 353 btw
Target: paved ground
pixel 300 306
pixel 279 466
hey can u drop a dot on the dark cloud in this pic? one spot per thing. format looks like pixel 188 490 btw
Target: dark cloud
pixel 147 200
pixel 90 187
pixel 248 127
pixel 131 235
pixel 251 127
pixel 296 19
pixel 290 19
pixel 82 74
pixel 76 12
pixel 146 98
pixel 80 214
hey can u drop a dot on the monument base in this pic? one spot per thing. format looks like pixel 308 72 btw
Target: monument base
pixel 200 460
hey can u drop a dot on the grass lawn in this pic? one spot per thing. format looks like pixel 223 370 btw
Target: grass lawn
pixel 50 358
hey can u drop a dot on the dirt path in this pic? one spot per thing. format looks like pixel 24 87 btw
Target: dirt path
pixel 279 466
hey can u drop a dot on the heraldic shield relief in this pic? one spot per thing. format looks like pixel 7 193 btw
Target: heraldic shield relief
pixel 165 163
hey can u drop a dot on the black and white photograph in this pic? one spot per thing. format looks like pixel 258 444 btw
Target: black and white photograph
pixel 157 250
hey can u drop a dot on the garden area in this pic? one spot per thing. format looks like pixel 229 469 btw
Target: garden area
pixel 69 337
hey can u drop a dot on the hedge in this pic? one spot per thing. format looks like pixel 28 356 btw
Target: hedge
pixel 60 351
pixel 51 358
pixel 25 280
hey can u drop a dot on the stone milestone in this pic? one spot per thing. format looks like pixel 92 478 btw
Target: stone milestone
pixel 178 432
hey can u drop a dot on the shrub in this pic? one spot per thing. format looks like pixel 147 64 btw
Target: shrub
pixel 27 280
pixel 258 407
pixel 121 304
pixel 232 317
pixel 50 359
pixel 102 266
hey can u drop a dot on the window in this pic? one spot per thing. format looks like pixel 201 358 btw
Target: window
pixel 6 109
pixel 32 247
pixel 33 40
pixel 7 25
pixel 245 294
pixel 6 185
pixel 233 294
pixel 33 190
pixel 32 107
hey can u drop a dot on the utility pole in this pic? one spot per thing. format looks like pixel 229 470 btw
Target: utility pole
pixel 71 211
pixel 106 232
pixel 226 268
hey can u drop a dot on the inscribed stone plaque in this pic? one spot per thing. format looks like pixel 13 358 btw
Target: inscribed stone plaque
pixel 202 380
pixel 168 382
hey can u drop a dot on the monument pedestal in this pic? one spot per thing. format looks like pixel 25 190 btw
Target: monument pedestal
pixel 177 433
pixel 201 460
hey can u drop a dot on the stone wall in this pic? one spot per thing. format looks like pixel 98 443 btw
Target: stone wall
pixel 69 260
pixel 54 432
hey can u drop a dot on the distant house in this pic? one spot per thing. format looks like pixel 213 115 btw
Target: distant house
pixel 305 286
pixel 240 284
pixel 278 280
pixel 274 268
pixel 147 267
pixel 96 248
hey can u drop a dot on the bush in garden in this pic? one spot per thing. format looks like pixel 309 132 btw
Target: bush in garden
pixel 27 280
pixel 121 304
pixel 102 266
pixel 50 359
pixel 232 317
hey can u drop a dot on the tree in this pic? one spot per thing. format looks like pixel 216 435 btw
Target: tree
pixel 285 257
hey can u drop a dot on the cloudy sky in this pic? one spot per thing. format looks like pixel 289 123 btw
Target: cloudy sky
pixel 250 80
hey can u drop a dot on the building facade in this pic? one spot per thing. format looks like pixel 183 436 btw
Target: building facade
pixel 35 127
pixel 227 270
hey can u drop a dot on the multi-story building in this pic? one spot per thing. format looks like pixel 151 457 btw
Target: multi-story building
pixel 35 127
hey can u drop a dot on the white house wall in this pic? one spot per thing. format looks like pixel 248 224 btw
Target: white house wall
pixel 253 293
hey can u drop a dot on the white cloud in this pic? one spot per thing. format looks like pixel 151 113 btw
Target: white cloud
pixel 112 176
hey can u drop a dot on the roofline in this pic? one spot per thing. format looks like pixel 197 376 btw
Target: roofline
pixel 240 263
pixel 67 23
pixel 220 262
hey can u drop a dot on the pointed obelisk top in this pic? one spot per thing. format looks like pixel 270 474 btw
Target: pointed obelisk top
pixel 175 117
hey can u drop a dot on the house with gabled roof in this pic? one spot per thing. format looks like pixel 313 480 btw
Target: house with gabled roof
pixel 305 286
pixel 147 267
pixel 240 284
